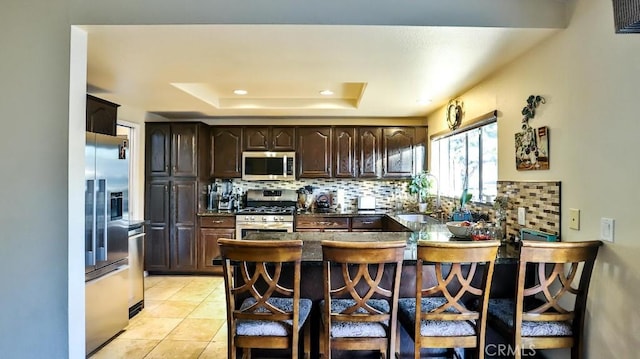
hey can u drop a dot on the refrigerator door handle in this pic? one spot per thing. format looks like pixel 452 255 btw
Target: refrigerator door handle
pixel 90 254
pixel 102 249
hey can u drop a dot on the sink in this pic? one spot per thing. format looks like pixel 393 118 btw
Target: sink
pixel 417 217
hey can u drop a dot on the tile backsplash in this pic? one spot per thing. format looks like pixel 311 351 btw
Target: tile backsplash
pixel 540 199
pixel 388 193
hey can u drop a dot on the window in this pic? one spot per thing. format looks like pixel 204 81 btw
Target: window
pixel 469 154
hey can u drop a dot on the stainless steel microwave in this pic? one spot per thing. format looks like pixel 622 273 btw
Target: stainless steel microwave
pixel 269 166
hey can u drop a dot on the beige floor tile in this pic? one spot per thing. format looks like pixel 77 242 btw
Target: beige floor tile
pixel 150 281
pixel 177 349
pixel 214 350
pixel 150 303
pixel 172 309
pixel 221 335
pixel 126 349
pixel 190 294
pixel 217 295
pixel 210 310
pixel 196 329
pixel 161 292
pixel 151 328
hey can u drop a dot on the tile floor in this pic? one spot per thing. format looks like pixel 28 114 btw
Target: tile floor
pixel 184 317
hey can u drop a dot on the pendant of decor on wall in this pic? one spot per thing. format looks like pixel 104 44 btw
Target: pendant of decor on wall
pixel 532 144
pixel 454 114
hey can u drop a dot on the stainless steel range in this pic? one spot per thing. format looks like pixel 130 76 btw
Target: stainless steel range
pixel 266 211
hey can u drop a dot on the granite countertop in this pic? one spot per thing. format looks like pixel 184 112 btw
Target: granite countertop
pixel 344 213
pixel 217 213
pixel 312 251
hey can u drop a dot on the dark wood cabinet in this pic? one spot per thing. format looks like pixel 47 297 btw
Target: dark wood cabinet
pixel 183 206
pixel 226 152
pixel 344 152
pixel 175 160
pixel 170 212
pixel 101 116
pixel 269 138
pixel 369 158
pixel 366 223
pixel 172 149
pixel 157 216
pixel 398 152
pixel 283 138
pixel 314 152
pixel 322 224
pixel 211 229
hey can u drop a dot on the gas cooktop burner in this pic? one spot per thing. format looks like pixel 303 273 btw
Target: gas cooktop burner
pixel 268 210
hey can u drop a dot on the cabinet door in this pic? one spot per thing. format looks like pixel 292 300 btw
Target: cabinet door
pixel 102 116
pixel 209 247
pixel 283 138
pixel 256 138
pixel 344 152
pixel 226 145
pixel 156 214
pixel 314 152
pixel 158 149
pixel 184 150
pixel 183 239
pixel 366 223
pixel 369 161
pixel 398 154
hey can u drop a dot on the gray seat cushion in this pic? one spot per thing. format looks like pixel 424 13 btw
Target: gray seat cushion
pixel 502 310
pixel 432 328
pixel 268 327
pixel 357 329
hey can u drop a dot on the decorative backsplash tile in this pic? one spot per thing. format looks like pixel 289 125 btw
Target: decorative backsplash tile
pixel 541 201
pixel 389 194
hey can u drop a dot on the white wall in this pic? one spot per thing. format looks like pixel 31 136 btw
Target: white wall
pixel 589 76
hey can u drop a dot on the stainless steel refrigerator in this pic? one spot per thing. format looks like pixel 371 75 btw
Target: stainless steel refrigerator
pixel 106 238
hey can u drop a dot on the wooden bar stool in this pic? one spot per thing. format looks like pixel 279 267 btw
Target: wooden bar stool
pixel 361 283
pixel 271 313
pixel 539 317
pixel 450 313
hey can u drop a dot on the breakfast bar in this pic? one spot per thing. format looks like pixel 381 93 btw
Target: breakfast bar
pixel 311 285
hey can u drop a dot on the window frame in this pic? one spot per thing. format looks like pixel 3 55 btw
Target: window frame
pixel 477 123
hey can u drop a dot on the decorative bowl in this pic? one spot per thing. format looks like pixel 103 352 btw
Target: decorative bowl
pixel 461 229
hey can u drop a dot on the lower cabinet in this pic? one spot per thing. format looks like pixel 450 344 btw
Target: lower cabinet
pixel 366 224
pixel 211 229
pixel 322 224
pixel 170 243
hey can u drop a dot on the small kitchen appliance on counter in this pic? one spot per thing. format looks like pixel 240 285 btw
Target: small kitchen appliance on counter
pixel 212 197
pixel 367 202
pixel 323 203
pixel 226 201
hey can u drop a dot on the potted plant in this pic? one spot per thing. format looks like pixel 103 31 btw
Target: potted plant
pixel 421 185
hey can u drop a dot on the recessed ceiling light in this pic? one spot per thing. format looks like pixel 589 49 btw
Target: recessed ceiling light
pixel 240 92
pixel 326 92
pixel 424 101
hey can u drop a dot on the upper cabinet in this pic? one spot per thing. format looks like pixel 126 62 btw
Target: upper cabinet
pixel 101 116
pixel 314 152
pixel 269 139
pixel 403 151
pixel 172 149
pixel 344 152
pixel 226 152
pixel 369 159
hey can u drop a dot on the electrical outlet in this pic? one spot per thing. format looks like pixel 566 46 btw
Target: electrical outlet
pixel 521 216
pixel 606 229
pixel 574 218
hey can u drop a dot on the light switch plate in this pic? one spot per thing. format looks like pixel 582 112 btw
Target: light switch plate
pixel 521 216
pixel 574 218
pixel 606 229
